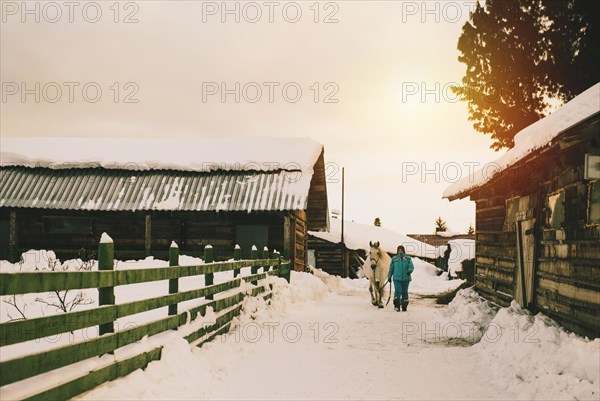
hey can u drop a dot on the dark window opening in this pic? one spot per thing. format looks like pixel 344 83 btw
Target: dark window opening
pixel 68 225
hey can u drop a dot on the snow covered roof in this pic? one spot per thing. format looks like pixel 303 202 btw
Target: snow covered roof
pixel 181 154
pixel 158 174
pixel 358 236
pixel 536 136
pixel 122 190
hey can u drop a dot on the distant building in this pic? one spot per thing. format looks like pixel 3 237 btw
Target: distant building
pixel 461 261
pixel 538 217
pixel 327 252
pixel 61 194
pixel 438 240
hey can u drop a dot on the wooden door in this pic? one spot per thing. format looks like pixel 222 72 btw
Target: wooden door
pixel 249 235
pixel 524 279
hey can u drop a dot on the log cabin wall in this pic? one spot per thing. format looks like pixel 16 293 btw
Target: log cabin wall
pixel 299 240
pixel 317 207
pixel 495 252
pixel 328 255
pixel 37 228
pixel 550 191
pixel 568 258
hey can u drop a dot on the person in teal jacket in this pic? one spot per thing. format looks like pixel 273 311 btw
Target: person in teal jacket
pixel 401 267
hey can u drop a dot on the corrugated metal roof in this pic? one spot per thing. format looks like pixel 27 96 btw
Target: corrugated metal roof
pixel 121 190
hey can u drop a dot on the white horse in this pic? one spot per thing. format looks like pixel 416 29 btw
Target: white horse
pixel 376 269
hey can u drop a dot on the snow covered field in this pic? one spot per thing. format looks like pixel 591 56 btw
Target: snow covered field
pixel 321 339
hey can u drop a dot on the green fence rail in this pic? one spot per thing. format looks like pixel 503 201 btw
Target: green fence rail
pixel 107 312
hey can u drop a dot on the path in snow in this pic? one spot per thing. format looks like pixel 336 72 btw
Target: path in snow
pixel 370 360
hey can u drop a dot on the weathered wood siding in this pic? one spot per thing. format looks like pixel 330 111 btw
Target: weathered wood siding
pixel 192 231
pixel 300 234
pixel 495 251
pixel 568 268
pixel 317 208
pixel 566 278
pixel 328 255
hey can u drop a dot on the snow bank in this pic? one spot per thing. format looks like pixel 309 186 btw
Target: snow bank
pixel 179 368
pixel 467 317
pixel 534 357
pixel 426 282
pixel 306 287
pixel 182 154
pixel 531 138
pixel 183 371
pixel 527 355
pixel 342 286
pixel 187 372
pixel 358 236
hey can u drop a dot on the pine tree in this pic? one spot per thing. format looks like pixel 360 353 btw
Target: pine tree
pixel 377 222
pixel 440 225
pixel 518 54
pixel 471 230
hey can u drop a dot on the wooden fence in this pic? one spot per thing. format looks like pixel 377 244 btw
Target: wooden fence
pixel 107 312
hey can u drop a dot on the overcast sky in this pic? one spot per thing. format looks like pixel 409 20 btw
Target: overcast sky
pixel 361 75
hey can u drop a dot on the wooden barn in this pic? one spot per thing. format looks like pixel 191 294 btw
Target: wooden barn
pixel 62 193
pixel 334 258
pixel 538 217
pixel 345 260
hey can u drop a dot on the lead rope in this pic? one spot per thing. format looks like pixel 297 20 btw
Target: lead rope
pixel 389 296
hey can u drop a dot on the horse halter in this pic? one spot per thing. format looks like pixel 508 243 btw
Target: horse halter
pixel 374 260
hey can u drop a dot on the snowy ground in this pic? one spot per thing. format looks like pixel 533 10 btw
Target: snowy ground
pixel 321 339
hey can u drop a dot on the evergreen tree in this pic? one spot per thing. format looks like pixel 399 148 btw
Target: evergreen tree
pixel 520 53
pixel 440 225
pixel 471 230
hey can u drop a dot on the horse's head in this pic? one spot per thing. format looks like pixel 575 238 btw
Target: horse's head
pixel 374 254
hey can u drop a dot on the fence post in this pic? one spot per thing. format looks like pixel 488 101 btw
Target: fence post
pixel 265 255
pixel 277 264
pixel 284 270
pixel 209 277
pixel 254 256
pixel 106 261
pixel 174 282
pixel 237 255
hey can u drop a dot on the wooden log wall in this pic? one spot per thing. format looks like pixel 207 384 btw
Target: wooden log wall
pixel 192 231
pixel 567 257
pixel 300 240
pixel 317 207
pixel 568 265
pixel 495 251
pixel 328 255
